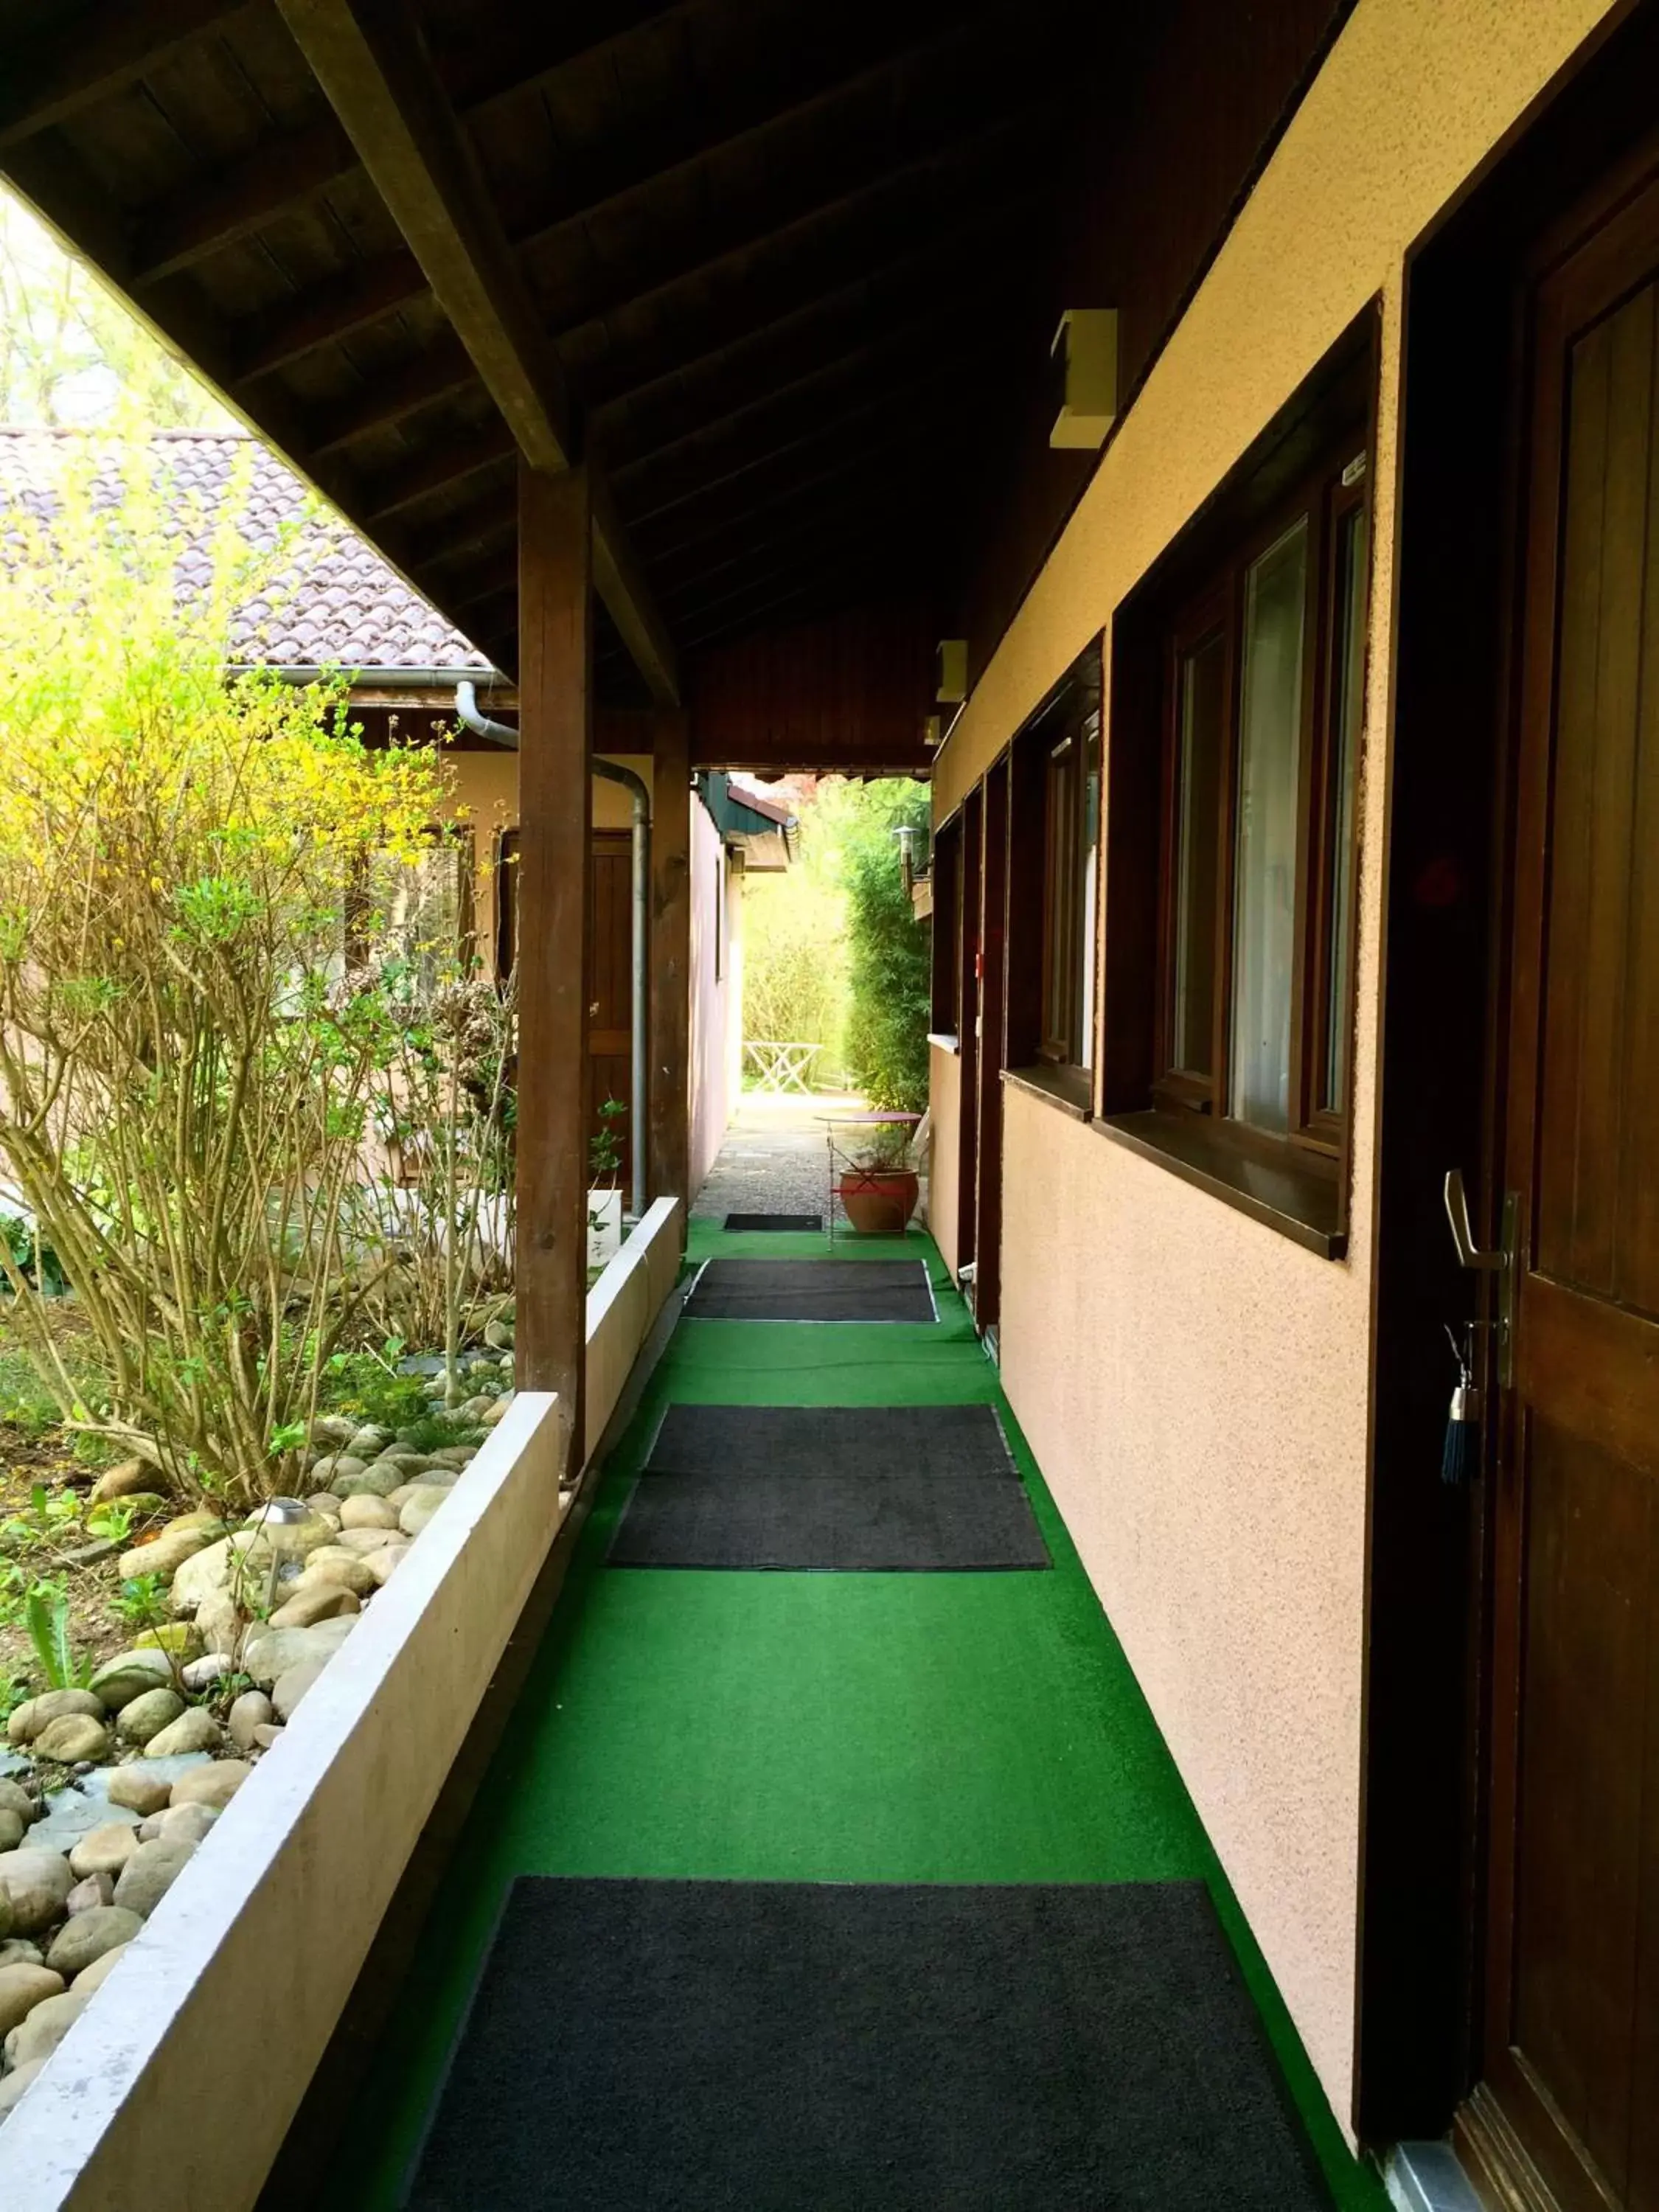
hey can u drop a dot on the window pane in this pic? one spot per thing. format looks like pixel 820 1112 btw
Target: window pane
pixel 1348 663
pixel 1198 769
pixel 1264 907
pixel 1084 1049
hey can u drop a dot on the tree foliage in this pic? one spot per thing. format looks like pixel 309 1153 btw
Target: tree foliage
pixel 71 353
pixel 888 954
pixel 184 1065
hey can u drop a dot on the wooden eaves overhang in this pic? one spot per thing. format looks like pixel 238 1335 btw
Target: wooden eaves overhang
pixel 748 262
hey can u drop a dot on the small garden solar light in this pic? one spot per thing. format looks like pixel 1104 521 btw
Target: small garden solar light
pixel 275 1515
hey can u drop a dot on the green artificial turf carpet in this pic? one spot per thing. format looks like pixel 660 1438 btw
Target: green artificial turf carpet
pixel 867 1727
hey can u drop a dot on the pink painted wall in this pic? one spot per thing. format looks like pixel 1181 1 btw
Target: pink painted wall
pixel 716 1046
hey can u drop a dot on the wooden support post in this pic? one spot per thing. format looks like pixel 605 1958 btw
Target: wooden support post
pixel 670 959
pixel 556 809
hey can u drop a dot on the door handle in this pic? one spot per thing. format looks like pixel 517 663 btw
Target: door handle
pixel 1500 1262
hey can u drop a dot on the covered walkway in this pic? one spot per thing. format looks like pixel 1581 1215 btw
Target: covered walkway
pixel 945 1727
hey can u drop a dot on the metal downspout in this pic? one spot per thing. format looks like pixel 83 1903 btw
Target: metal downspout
pixel 466 709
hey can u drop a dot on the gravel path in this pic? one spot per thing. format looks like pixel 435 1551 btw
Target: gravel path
pixel 774 1158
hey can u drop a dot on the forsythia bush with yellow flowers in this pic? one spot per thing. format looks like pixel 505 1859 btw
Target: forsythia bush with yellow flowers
pixel 185 1066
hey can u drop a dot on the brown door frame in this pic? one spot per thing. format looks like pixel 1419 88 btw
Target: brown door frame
pixel 968 993
pixel 1426 1710
pixel 992 1045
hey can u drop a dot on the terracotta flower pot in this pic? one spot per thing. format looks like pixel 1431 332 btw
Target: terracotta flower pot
pixel 880 1200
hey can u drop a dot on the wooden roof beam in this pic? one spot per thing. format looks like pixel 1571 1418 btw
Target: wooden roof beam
pixel 369 60
pixel 334 308
pixel 287 168
pixel 97 52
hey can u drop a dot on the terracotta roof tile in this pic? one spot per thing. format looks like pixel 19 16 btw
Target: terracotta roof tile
pixel 341 606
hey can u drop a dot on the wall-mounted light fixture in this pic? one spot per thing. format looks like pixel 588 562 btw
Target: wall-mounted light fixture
pixel 1085 352
pixel 951 672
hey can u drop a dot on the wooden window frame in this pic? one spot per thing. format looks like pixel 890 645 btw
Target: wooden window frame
pixel 1325 500
pixel 458 836
pixel 945 986
pixel 1064 734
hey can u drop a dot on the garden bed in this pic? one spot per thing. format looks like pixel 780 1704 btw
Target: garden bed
pixel 150 1657
pixel 289 1844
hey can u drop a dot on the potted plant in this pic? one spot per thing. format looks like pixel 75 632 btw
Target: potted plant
pixel 604 1205
pixel 878 1189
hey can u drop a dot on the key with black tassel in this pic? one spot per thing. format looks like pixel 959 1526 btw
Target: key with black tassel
pixel 1461 1450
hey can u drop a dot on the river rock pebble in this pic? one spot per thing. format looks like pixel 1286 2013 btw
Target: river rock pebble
pixel 337 1429
pixel 144 1793
pixel 368 1441
pixel 95 1976
pixel 250 1713
pixel 267 1734
pixel 146 1717
pixel 12 1826
pixel 18 1951
pixel 313 1601
pixel 131 1674
pixel 94 1890
pixel 44 2028
pixel 128 1478
pixel 187 1823
pixel 211 1668
pixel 337 1467
pixel 336 1563
pixel 368 1512
pixel 292 1685
pixel 373 1482
pixel 362 1542
pixel 180 1640
pixel 384 1563
pixel 14 1798
pixel 34 1714
pixel 415 1512
pixel 36 1882
pixel 86 1938
pixel 274 1650
pixel 150 1872
pixel 212 1787
pixel 167 1552
pixel 106 1851
pixel 75 1736
pixel 22 1988
pixel 194 1729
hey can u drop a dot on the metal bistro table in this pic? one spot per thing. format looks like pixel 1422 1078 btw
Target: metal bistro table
pixel 841 1146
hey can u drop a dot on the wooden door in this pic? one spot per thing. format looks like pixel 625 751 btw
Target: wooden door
pixel 968 969
pixel 610 987
pixel 1571 2057
pixel 610 940
pixel 993 1057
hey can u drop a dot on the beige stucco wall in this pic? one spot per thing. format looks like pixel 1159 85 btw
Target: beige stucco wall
pixel 1193 1384
pixel 942 1177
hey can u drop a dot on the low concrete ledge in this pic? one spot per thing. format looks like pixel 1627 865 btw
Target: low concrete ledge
pixel 177 2085
pixel 622 1307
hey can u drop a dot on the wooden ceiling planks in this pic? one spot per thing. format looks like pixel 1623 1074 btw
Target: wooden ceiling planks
pixel 766 249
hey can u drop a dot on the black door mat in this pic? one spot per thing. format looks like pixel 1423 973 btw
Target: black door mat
pixel 803 1224
pixel 680 2046
pixel 830 1523
pixel 811 1290
pixel 826 1440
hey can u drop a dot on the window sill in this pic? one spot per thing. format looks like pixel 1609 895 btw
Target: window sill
pixel 1290 1191
pixel 1071 1089
pixel 946 1040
